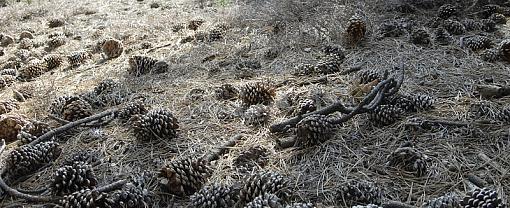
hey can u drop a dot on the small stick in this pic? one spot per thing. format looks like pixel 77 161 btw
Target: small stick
pixel 214 155
pixel 70 125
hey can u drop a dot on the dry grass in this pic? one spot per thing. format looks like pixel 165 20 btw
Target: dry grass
pixel 359 149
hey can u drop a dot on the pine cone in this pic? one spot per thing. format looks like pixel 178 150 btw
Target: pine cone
pixel 356 29
pixel 479 198
pixel 334 50
pixel 217 196
pixel 26 43
pixel 255 156
pixel 384 115
pixel 368 76
pixel 256 115
pixel 7 106
pixel 28 158
pixel 392 28
pixel 32 71
pixel 360 192
pixel 412 103
pixel 448 201
pixel 71 178
pixel 476 42
pixel 131 196
pixel 306 106
pixel 263 183
pixel 53 61
pixel 446 11
pixel 265 201
pixel 471 24
pixel 304 70
pixel 57 105
pixel 157 123
pixel 194 24
pixel 420 36
pixel 503 115
pixel 78 57
pixel 257 93
pixel 30 131
pixel 56 22
pixel 112 48
pixel 141 65
pixel 185 176
pixel 490 55
pixel 106 86
pixel 6 81
pixel 26 34
pixel 6 40
pixel 313 130
pixel 504 49
pixel 130 109
pixel 226 92
pixel 84 156
pixel 498 18
pixel 442 37
pixel 76 109
pixel 56 41
pixel 14 64
pixel 10 126
pixel 301 205
pixel 408 159
pixel 454 27
pixel 488 25
pixel 12 72
pixel 329 64
pixel 86 199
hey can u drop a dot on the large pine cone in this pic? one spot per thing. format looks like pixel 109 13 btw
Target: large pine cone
pixel 356 29
pixel 476 42
pixel 408 159
pixel 157 123
pixel 257 93
pixel 32 71
pixel 264 183
pixel 71 178
pixel 217 196
pixel 314 130
pixel 112 48
pixel 86 199
pixel 360 192
pixel 132 195
pixel 384 115
pixel 411 103
pixel 53 61
pixel 29 158
pixel 57 105
pixel 481 198
pixel 368 76
pixel 76 109
pixel 328 64
pixel 185 176
pixel 446 11
pixel 454 27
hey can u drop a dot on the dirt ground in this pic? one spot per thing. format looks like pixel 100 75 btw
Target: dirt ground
pixel 297 31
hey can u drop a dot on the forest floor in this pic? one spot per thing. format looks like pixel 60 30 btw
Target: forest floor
pixel 296 31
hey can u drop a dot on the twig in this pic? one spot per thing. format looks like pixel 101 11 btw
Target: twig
pixel 476 180
pixel 63 121
pixel 70 125
pixel 112 186
pixel 214 155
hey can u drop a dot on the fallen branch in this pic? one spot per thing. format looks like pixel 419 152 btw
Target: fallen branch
pixel 63 121
pixel 214 155
pixel 492 91
pixel 48 135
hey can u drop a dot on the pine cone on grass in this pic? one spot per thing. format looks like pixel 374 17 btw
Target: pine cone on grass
pixel 10 126
pixel 447 201
pixel 442 37
pixel 77 58
pixel 368 76
pixel 12 72
pixel 446 11
pixel 504 49
pixel 218 196
pixel 226 92
pixel 72 178
pixel 32 71
pixel 481 198
pixel 76 109
pixel 314 130
pixel 384 115
pixel 264 183
pixel 356 29
pixel 255 156
pixel 56 41
pixel 420 36
pixel 412 103
pixel 256 115
pixel 130 109
pixel 30 131
pixel 257 93
pixel 266 201
pixel 86 198
pixel 53 61
pixel 28 158
pixel 156 124
pixel 7 106
pixel 360 192
pixel 132 195
pixel 476 42
pixel 408 159
pixel 139 65
pixel 185 176
pixel 112 48
pixel 454 27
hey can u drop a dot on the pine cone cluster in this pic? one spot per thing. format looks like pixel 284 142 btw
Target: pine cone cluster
pixel 356 29
pixel 77 58
pixel 420 36
pixel 112 48
pixel 446 11
pixel 257 93
pixel 256 115
pixel 53 61
pixel 139 65
pixel 30 131
pixel 408 159
pixel 217 196
pixel 264 183
pixel 76 109
pixel 10 126
pixel 314 130
pixel 504 49
pixel 448 201
pixel 132 108
pixel 185 176
pixel 72 178
pixel 265 201
pixel 360 192
pixel 86 198
pixel 132 195
pixel 479 198
pixel 226 92
pixel 156 124
pixel 454 27
pixel 28 158
pixel 476 42
pixel 255 156
pixel 384 115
